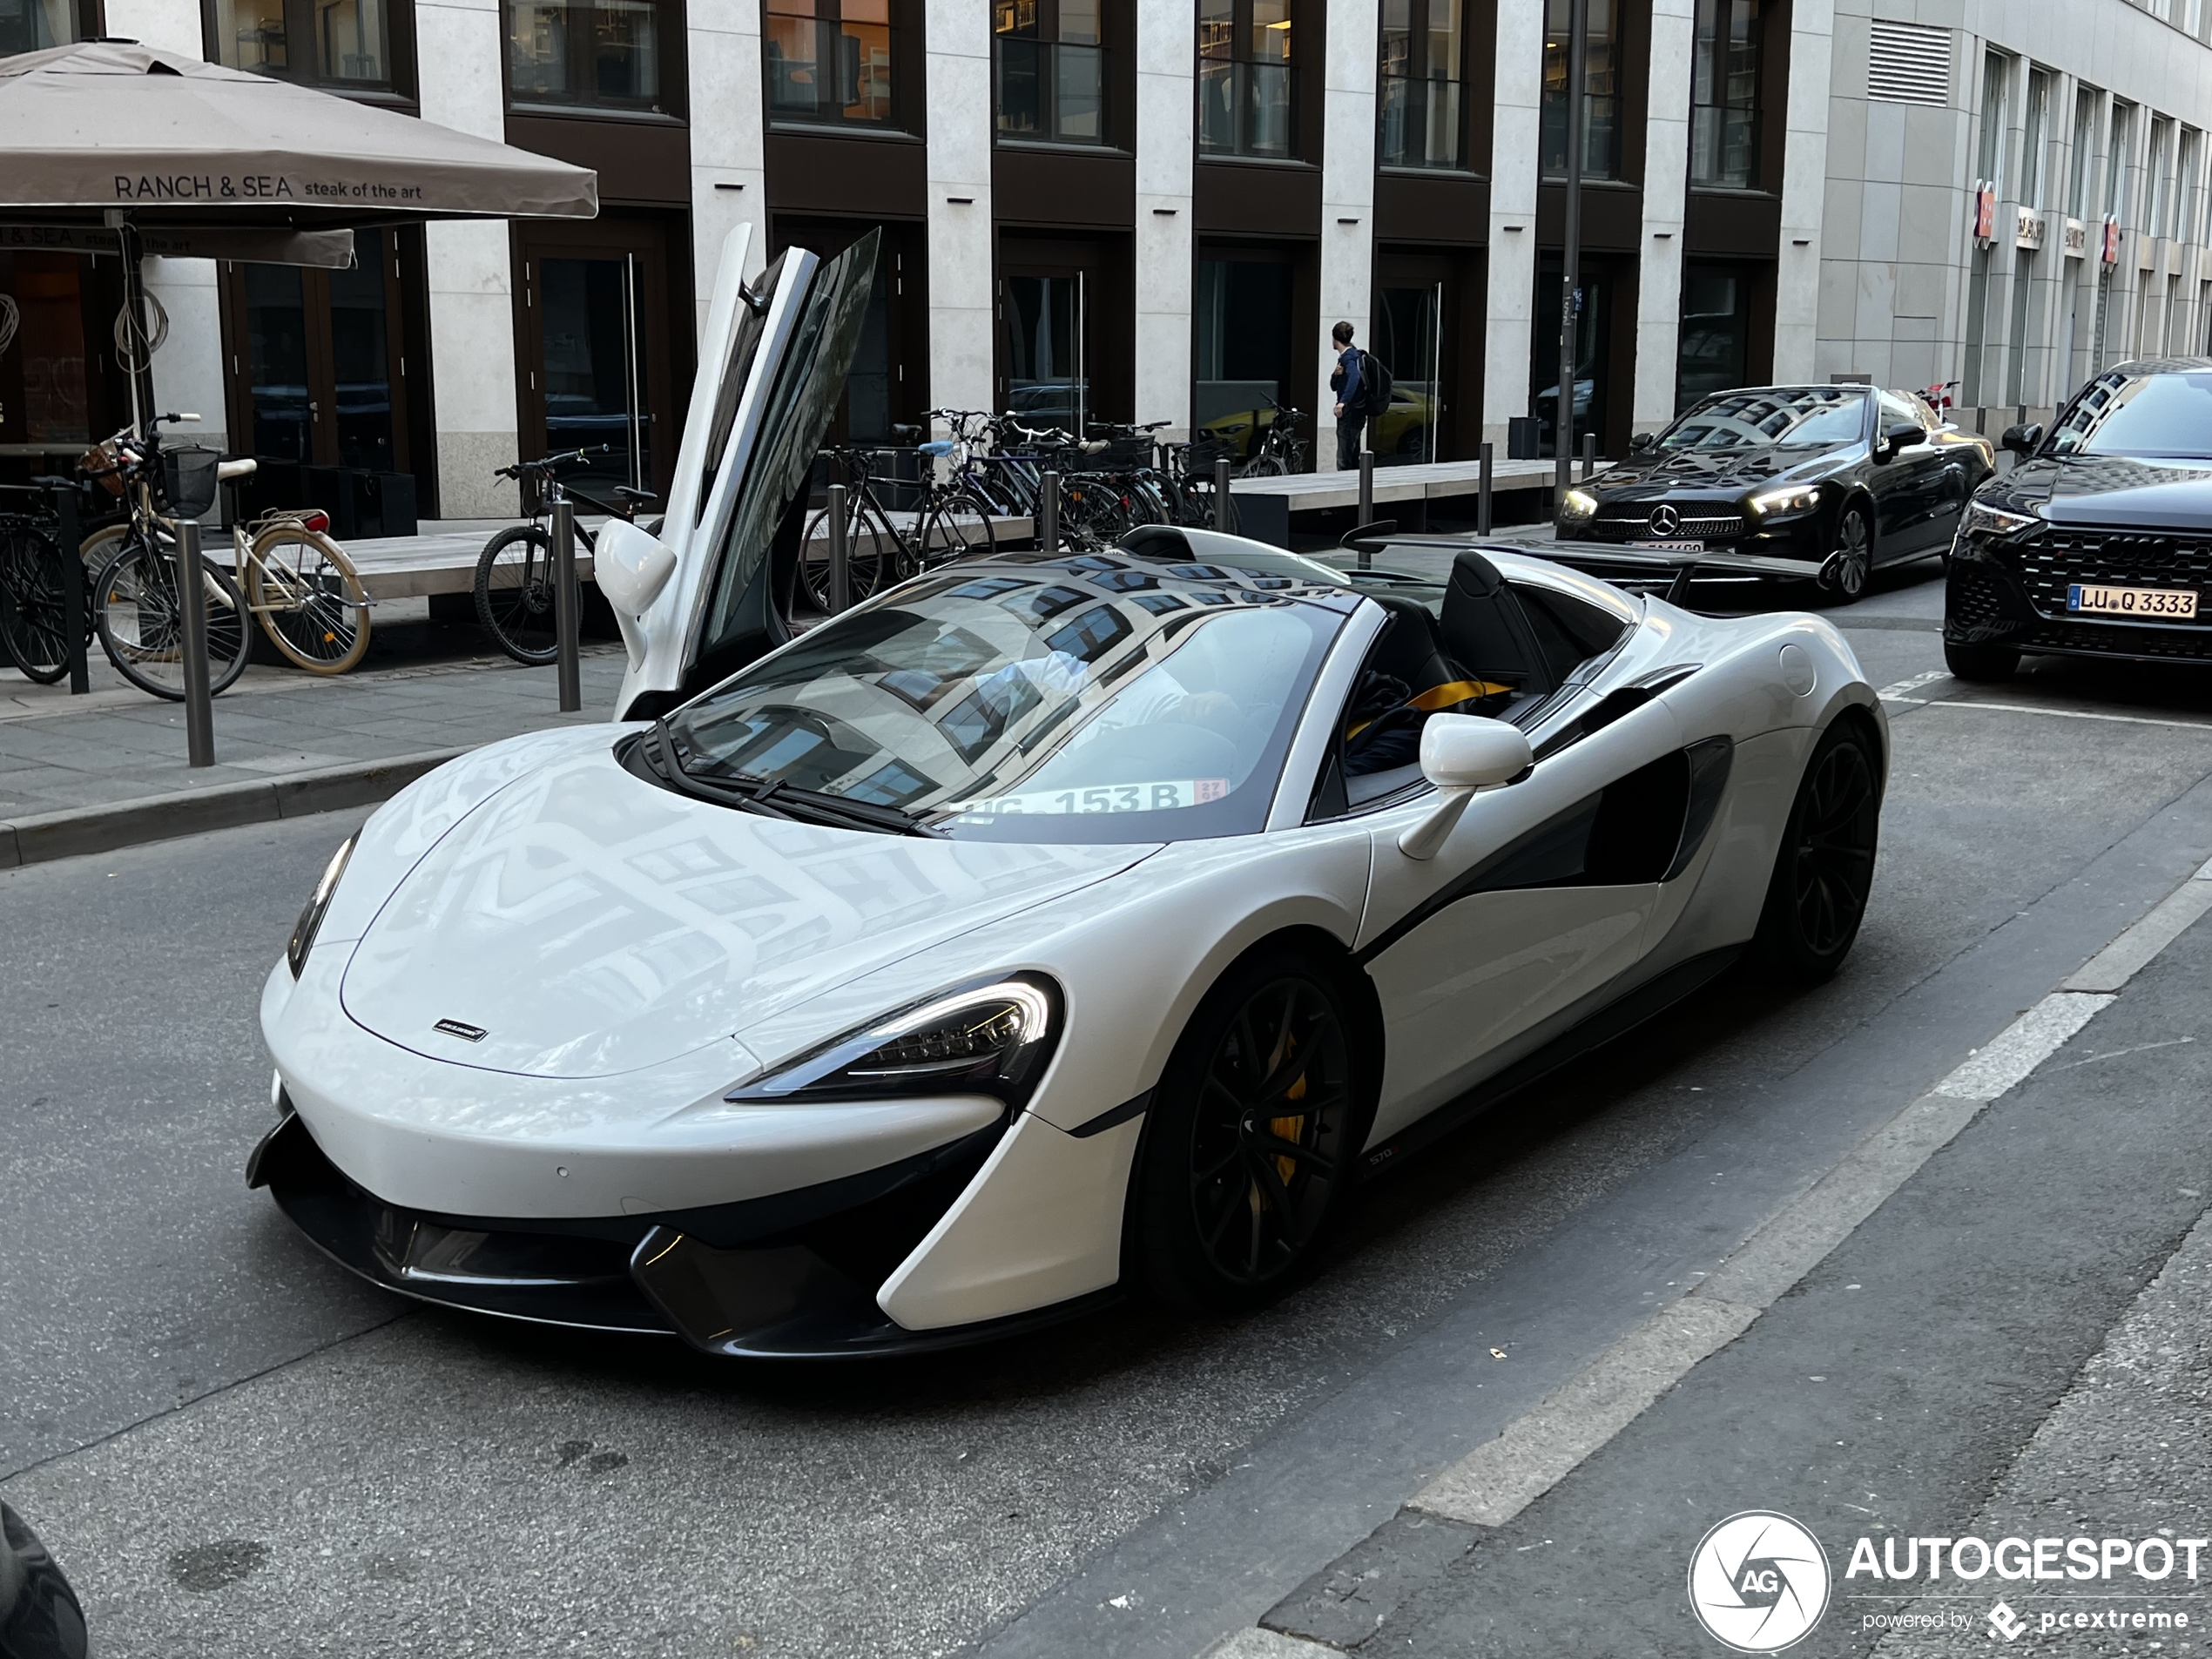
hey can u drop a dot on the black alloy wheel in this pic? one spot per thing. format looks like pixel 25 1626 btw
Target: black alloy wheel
pixel 1850 563
pixel 1250 1141
pixel 1825 867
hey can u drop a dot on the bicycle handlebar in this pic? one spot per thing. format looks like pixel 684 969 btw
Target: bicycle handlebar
pixel 546 463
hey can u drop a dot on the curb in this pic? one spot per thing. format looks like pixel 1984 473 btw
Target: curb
pixel 46 836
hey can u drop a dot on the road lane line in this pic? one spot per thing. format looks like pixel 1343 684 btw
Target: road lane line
pixel 1902 691
pixel 2036 708
pixel 1501 1478
pixel 2121 960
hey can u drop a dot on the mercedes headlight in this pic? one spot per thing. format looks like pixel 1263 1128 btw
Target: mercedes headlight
pixel 1789 498
pixel 1985 520
pixel 1577 503
pixel 304 930
pixel 990 1038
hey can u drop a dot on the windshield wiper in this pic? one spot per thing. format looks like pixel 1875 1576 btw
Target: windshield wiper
pixel 773 797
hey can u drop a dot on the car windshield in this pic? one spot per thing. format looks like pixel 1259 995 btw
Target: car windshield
pixel 1094 699
pixel 1795 416
pixel 2136 414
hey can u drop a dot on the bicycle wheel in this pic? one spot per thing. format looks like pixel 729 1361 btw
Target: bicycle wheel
pixel 141 619
pixel 514 593
pixel 868 556
pixel 310 602
pixel 956 527
pixel 1092 514
pixel 34 634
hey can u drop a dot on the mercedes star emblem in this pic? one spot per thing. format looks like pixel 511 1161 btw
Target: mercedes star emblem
pixel 1665 521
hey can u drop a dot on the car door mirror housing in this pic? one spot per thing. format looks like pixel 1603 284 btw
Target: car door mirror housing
pixel 1638 441
pixel 2022 440
pixel 630 567
pixel 1901 435
pixel 1461 754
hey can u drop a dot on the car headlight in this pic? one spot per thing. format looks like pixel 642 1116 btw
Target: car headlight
pixel 304 930
pixel 1985 520
pixel 1789 498
pixel 989 1038
pixel 1577 503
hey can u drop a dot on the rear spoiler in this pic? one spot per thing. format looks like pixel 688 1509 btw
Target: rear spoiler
pixel 1649 567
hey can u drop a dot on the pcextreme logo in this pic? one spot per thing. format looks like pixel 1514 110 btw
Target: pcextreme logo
pixel 1758 1582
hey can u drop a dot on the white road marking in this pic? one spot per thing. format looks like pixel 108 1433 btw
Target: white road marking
pixel 2003 1063
pixel 2118 962
pixel 2063 714
pixel 1902 691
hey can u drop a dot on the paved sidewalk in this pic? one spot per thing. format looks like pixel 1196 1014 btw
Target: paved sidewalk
pixel 117 744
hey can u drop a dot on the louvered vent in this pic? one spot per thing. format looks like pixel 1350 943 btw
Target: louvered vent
pixel 1909 63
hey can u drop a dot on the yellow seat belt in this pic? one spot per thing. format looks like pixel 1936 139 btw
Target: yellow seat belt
pixel 1442 697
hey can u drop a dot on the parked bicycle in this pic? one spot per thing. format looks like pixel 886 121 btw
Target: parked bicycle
pixel 515 584
pixel 948 522
pixel 1278 453
pixel 34 599
pixel 291 578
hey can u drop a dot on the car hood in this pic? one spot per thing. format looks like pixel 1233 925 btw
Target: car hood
pixel 589 923
pixel 2111 489
pixel 1716 472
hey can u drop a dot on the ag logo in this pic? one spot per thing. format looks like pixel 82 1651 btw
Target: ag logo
pixel 1758 1582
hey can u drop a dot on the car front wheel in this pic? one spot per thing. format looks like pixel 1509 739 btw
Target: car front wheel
pixel 1250 1141
pixel 1825 867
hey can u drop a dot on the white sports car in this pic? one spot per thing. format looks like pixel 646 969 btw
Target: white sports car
pixel 1045 926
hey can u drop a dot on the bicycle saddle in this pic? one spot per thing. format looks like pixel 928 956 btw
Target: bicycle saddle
pixel 906 432
pixel 939 447
pixel 230 471
pixel 630 492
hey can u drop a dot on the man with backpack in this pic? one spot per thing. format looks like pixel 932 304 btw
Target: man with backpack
pixel 1362 386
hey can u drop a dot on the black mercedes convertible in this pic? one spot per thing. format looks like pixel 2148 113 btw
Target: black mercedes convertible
pixel 1830 483
pixel 2099 543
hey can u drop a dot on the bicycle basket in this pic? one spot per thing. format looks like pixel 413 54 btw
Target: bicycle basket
pixel 188 479
pixel 1123 454
pixel 1199 456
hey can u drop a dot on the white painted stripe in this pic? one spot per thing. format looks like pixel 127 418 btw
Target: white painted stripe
pixel 2121 960
pixel 1253 1642
pixel 1904 689
pixel 2005 1060
pixel 1499 1479
pixel 2063 714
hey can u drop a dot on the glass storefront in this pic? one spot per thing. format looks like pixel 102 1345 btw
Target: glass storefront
pixel 1716 348
pixel 1245 347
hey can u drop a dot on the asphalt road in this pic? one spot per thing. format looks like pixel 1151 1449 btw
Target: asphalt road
pixel 236 1450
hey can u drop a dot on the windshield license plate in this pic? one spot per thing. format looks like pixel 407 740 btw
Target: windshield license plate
pixel 1670 547
pixel 2132 602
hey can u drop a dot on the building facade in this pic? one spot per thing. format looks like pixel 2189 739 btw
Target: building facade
pixel 1154 210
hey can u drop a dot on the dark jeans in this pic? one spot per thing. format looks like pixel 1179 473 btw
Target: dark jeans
pixel 1349 428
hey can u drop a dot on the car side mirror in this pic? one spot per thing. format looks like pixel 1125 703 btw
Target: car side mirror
pixel 2022 440
pixel 1901 435
pixel 1641 440
pixel 1462 754
pixel 630 567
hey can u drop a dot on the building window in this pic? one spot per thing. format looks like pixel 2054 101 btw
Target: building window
pixel 2160 220
pixel 594 52
pixel 33 26
pixel 1424 55
pixel 1989 164
pixel 1715 352
pixel 2077 175
pixel 831 60
pixel 1051 63
pixel 1245 78
pixel 1724 96
pixel 2116 164
pixel 2187 190
pixel 345 44
pixel 2037 135
pixel 1601 86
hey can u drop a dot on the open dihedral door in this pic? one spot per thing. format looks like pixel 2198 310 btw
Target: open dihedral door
pixel 782 348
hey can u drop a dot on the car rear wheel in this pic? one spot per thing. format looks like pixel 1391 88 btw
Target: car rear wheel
pixel 1825 867
pixel 1249 1143
pixel 1980 662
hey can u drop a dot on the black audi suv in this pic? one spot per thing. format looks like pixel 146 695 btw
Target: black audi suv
pixel 1825 482
pixel 2099 542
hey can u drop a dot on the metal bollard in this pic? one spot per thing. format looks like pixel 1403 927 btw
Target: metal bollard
pixel 191 598
pixel 1222 520
pixel 1482 493
pixel 1366 503
pixel 74 620
pixel 1589 455
pixel 566 603
pixel 841 555
pixel 1049 510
